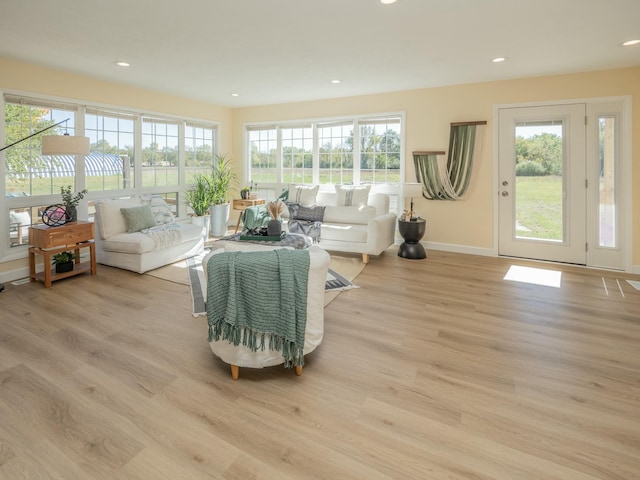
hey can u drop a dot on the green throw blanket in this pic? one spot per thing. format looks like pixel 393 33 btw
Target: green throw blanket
pixel 253 294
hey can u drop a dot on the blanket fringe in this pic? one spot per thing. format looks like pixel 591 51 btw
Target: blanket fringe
pixel 293 357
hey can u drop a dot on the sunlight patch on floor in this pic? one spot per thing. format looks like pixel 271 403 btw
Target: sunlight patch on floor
pixel 634 283
pixel 536 276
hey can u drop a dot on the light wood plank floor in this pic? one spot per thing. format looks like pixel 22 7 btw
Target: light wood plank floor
pixel 433 369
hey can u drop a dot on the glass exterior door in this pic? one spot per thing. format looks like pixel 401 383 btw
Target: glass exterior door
pixel 542 180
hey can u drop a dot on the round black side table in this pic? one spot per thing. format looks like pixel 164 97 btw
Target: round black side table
pixel 412 231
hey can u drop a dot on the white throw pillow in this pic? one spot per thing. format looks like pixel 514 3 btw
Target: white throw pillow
pixel 303 194
pixel 352 196
pixel 159 207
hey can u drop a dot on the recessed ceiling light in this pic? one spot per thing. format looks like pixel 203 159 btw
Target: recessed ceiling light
pixel 498 59
pixel 336 81
pixel 235 94
pixel 388 2
pixel 631 42
pixel 122 64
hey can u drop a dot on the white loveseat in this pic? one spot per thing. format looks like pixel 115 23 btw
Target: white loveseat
pixel 368 230
pixel 148 249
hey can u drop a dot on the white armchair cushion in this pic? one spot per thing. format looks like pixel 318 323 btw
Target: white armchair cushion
pixel 111 220
pixel 357 215
pixel 344 232
pixel 136 243
pixel 21 218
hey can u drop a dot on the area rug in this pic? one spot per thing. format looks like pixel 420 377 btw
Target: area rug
pixel 342 271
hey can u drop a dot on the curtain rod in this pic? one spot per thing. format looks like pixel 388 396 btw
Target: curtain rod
pixel 459 124
pixel 430 152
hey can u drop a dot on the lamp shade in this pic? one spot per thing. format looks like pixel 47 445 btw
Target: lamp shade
pixel 65 145
pixel 412 190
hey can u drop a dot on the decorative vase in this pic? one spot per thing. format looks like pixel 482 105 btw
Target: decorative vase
pixel 244 194
pixel 219 219
pixel 274 228
pixel 72 214
pixel 205 222
pixel 64 267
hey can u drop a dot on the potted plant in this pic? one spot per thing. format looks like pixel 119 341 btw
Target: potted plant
pixel 245 192
pixel 64 261
pixel 221 181
pixel 199 199
pixel 71 201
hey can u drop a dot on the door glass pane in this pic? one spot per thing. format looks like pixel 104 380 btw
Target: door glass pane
pixel 539 203
pixel 607 224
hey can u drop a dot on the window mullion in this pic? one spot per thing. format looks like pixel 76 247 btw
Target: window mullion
pixel 137 168
pixel 356 153
pixel 316 154
pixel 181 155
pixel 279 159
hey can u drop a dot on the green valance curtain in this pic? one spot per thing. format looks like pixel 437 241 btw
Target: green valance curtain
pixel 448 179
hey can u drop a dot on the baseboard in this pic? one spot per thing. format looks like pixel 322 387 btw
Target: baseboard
pixel 17 274
pixel 450 247
pixel 487 252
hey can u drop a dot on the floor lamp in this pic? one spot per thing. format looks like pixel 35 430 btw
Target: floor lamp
pixel 58 144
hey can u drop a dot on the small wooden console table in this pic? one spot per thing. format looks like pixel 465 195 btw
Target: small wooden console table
pixel 242 204
pixel 48 241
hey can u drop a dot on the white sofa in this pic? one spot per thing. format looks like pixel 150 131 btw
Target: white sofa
pixel 139 251
pixel 368 230
pixel 241 356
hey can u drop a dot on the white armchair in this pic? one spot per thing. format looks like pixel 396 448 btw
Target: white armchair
pixel 19 222
pixel 241 356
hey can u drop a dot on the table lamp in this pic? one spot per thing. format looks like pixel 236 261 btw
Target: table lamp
pixel 411 190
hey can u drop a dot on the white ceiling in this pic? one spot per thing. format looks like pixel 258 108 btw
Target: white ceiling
pixel 278 51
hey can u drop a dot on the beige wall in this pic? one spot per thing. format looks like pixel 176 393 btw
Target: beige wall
pixel 428 115
pixel 31 79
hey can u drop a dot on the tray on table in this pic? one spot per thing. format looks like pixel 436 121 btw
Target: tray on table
pixel 263 238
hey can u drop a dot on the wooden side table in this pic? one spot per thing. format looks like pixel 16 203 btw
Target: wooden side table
pixel 242 204
pixel 48 241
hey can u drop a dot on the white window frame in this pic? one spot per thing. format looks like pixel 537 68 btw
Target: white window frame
pixel 272 189
pixel 8 253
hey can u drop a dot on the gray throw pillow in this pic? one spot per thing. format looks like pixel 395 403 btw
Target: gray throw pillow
pixel 138 218
pixel 300 212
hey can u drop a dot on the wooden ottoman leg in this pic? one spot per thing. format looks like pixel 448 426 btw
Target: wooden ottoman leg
pixel 235 371
pixel 365 258
pixel 298 370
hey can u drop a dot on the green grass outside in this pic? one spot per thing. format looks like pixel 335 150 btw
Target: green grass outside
pixel 539 207
pixel 51 185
